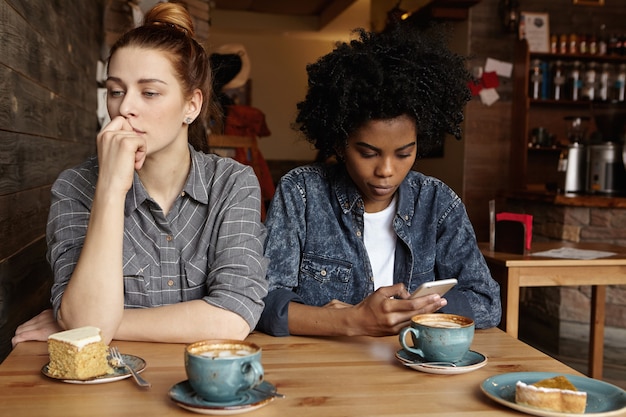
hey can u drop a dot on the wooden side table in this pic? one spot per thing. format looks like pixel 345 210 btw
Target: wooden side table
pixel 513 271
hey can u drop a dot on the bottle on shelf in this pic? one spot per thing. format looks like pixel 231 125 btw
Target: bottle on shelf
pixel 613 44
pixel 588 89
pixel 592 44
pixel 604 82
pixel 558 80
pixel 573 44
pixel 582 44
pixel 554 43
pixel 620 82
pixel 563 44
pixel 602 41
pixel 535 79
pixel 574 81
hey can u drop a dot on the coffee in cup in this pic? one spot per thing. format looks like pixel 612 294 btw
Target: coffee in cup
pixel 222 370
pixel 439 337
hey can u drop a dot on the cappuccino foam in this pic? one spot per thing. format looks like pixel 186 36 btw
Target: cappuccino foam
pixel 228 353
pixel 440 323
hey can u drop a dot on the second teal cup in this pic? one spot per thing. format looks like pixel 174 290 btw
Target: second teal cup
pixel 439 337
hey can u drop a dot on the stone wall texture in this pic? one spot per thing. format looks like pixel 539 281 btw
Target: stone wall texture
pixel 568 308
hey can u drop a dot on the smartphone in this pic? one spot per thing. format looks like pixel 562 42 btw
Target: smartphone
pixel 434 287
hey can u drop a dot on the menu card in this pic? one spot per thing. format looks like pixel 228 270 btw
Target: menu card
pixel 573 253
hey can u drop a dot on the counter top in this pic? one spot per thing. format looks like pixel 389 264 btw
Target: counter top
pixel 575 200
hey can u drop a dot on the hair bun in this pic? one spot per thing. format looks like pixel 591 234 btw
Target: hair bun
pixel 174 15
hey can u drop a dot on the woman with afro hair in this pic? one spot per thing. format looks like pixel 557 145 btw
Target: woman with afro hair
pixel 349 242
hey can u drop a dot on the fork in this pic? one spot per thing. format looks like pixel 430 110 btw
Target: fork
pixel 118 361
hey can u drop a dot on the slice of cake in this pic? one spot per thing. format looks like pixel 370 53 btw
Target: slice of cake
pixel 554 394
pixel 78 354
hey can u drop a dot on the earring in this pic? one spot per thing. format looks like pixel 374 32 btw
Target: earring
pixel 188 120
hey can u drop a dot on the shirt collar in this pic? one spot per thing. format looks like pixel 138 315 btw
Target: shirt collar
pixel 346 192
pixel 195 186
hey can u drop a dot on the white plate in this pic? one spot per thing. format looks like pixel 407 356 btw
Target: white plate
pixel 135 362
pixel 470 362
pixel 603 399
pixel 183 395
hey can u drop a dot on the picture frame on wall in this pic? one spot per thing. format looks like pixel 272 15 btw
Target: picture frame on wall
pixel 589 2
pixel 535 28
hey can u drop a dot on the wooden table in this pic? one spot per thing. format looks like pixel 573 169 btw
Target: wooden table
pixel 349 376
pixel 514 271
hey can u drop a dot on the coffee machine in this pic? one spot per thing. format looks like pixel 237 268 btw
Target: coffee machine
pixel 595 164
pixel 606 169
pixel 606 172
pixel 574 164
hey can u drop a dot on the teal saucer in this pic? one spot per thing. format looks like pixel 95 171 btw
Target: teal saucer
pixel 471 361
pixel 183 395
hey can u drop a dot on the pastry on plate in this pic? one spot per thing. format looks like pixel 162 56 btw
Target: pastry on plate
pixel 554 394
pixel 78 354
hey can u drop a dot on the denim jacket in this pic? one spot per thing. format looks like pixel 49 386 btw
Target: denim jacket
pixel 317 254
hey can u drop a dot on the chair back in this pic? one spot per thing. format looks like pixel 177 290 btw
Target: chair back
pixel 245 149
pixel 225 145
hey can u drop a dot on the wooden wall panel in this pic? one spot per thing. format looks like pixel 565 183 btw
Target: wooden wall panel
pixel 23 217
pixel 48 123
pixel 30 274
pixel 486 156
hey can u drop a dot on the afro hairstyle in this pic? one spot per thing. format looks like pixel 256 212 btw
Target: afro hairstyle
pixel 401 71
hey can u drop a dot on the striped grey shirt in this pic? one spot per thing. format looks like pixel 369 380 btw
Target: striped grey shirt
pixel 209 246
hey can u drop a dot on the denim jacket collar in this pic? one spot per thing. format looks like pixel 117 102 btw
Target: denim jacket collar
pixel 349 197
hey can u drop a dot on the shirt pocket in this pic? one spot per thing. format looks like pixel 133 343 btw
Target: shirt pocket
pixel 323 279
pixel 194 284
pixel 137 286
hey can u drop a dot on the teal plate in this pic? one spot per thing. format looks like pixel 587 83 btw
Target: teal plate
pixel 183 395
pixel 603 399
pixel 137 363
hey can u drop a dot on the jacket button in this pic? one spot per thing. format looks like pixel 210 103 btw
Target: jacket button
pixel 323 272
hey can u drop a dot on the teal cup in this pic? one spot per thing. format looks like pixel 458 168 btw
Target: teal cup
pixel 223 370
pixel 438 337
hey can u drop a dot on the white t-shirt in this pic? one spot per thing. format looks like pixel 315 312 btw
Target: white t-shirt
pixel 380 242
